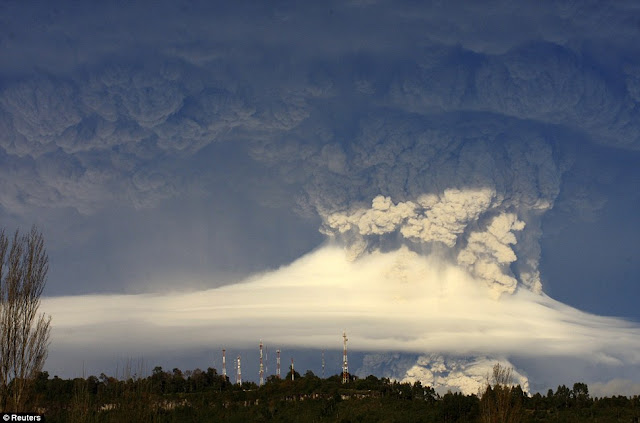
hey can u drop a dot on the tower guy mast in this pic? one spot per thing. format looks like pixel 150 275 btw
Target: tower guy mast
pixel 261 366
pixel 345 363
pixel 224 364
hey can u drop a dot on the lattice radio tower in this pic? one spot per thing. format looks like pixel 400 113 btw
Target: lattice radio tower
pixel 239 374
pixel 224 364
pixel 292 372
pixel 278 364
pixel 266 359
pixel 261 366
pixel 345 362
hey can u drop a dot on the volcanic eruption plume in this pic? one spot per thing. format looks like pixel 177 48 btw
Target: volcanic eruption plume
pixel 284 173
pixel 471 194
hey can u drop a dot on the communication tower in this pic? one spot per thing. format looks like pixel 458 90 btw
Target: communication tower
pixel 224 364
pixel 292 372
pixel 239 374
pixel 278 364
pixel 261 366
pixel 345 363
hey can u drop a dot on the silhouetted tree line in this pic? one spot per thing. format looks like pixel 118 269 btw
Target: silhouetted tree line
pixel 205 396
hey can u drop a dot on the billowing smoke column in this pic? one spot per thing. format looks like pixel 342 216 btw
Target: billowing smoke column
pixel 471 192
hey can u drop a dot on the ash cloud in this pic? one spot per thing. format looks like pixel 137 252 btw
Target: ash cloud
pixel 542 82
pixel 438 184
pixel 433 148
pixel 113 130
pixel 474 134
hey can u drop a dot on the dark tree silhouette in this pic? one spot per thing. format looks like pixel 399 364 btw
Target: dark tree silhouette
pixel 24 334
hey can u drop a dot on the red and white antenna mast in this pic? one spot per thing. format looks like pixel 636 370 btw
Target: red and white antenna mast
pixel 239 374
pixel 278 364
pixel 261 366
pixel 266 359
pixel 292 372
pixel 224 364
pixel 345 363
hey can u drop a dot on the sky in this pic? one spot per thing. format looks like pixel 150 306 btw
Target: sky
pixel 453 178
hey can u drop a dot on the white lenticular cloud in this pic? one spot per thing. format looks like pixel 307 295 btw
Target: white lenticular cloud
pixel 397 301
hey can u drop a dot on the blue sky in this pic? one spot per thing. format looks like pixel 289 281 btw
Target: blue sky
pixel 187 146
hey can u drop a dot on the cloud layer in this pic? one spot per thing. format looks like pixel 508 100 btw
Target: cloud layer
pixel 390 302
